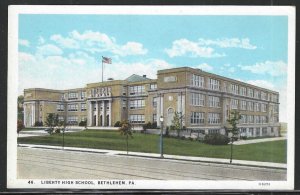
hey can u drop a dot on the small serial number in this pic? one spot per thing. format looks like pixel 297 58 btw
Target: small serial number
pixel 264 184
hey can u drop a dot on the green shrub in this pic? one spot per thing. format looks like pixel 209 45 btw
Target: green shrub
pixel 154 125
pixel 38 124
pixel 216 139
pixel 82 123
pixel 147 126
pixel 117 124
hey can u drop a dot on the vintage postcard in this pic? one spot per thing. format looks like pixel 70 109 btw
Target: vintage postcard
pixel 151 97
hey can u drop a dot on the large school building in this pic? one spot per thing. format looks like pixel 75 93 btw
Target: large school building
pixel 203 101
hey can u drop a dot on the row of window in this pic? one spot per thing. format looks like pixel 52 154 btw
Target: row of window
pixel 198 99
pixel 214 84
pixel 253 119
pixel 199 118
pixel 71 119
pixel 71 107
pixel 137 118
pixel 133 104
pixel 137 90
pixel 74 95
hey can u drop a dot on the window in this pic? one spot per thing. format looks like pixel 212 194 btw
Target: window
pixel 257 131
pixel 264 107
pixel 124 103
pixel 83 94
pixel 72 119
pixel 137 118
pixel 153 86
pixel 256 107
pixel 197 81
pixel 83 118
pixel 263 119
pixel 154 102
pixel 256 119
pixel 243 119
pixel 214 84
pixel 214 118
pixel 250 92
pixel 263 95
pixel 72 107
pixel 60 107
pixel 276 108
pixel 197 99
pixel 61 118
pixel 197 118
pixel 72 95
pixel 83 107
pixel 243 105
pixel 137 90
pixel 276 119
pixel 256 94
pixel 234 89
pixel 154 118
pixel 234 104
pixel 124 90
pixel 213 131
pixel 250 106
pixel 243 91
pixel 213 101
pixel 250 119
pixel 133 104
pixel 274 98
pixel 264 131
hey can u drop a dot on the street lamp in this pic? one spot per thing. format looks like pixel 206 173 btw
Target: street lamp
pixel 161 119
pixel 230 135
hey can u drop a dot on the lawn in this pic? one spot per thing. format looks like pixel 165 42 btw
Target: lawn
pixel 274 151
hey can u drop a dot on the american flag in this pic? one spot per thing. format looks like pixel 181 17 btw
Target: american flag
pixel 106 60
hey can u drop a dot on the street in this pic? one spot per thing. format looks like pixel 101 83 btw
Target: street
pixel 37 163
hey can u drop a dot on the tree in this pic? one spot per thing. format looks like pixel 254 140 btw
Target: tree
pixel 52 121
pixel 125 130
pixel 20 107
pixel 233 120
pixel 20 126
pixel 176 123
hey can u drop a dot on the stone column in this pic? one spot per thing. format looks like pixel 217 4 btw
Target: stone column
pixel 33 114
pixel 90 111
pixel 24 110
pixel 103 113
pixel 110 111
pixel 97 110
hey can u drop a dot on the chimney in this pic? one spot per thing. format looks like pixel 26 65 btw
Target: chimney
pixel 144 76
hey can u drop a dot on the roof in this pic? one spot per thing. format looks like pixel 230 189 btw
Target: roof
pixel 136 78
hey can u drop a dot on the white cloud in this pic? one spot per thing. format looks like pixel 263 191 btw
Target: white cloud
pixel 205 67
pixel 273 68
pixel 49 50
pixel 183 47
pixel 231 69
pixel 96 42
pixel 228 42
pixel 130 48
pixel 24 42
pixel 41 40
pixel 77 69
pixel 262 83
pixel 65 42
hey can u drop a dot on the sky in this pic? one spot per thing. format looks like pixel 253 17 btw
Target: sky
pixel 64 51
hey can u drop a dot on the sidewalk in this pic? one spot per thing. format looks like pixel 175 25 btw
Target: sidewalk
pixel 166 156
pixel 253 141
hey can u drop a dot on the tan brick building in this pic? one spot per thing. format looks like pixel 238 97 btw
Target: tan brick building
pixel 204 100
